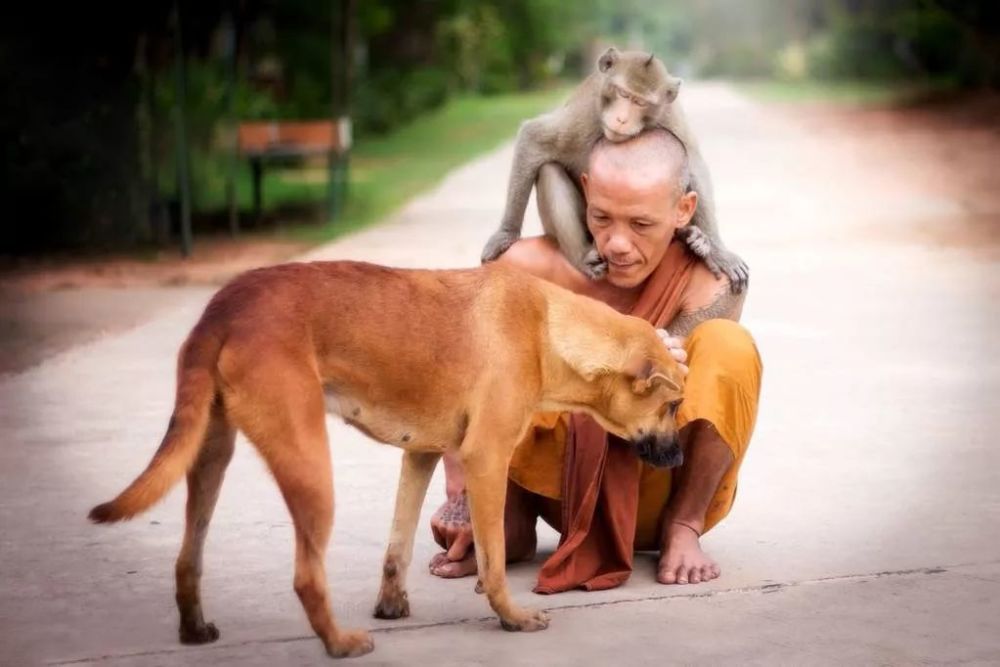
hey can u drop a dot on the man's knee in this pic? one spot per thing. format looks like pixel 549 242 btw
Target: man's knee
pixel 723 386
pixel 725 341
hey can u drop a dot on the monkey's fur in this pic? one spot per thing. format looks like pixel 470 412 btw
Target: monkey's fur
pixel 629 92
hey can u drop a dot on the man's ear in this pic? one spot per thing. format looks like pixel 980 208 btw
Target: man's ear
pixel 687 204
pixel 584 180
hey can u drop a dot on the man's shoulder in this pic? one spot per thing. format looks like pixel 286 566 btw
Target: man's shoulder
pixel 704 289
pixel 540 257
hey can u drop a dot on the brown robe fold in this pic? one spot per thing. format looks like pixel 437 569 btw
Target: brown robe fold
pixel 601 473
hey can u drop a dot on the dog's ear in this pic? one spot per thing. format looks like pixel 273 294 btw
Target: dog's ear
pixel 668 382
pixel 645 375
pixel 588 350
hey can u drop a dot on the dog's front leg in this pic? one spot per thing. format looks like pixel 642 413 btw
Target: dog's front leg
pixel 486 484
pixel 414 478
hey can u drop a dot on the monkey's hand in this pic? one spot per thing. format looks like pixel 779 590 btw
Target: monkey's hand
pixel 729 264
pixel 720 261
pixel 498 244
pixel 594 266
pixel 698 242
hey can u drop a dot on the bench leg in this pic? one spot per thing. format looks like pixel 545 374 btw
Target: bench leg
pixel 258 176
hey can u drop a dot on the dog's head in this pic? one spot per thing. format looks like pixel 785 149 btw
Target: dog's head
pixel 642 402
pixel 632 386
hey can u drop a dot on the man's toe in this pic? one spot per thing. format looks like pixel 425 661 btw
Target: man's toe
pixel 667 575
pixel 437 560
pixel 446 569
pixel 694 576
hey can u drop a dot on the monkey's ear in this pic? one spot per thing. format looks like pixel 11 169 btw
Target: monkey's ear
pixel 672 88
pixel 608 60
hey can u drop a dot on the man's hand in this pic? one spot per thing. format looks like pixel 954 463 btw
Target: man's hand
pixel 452 527
pixel 675 345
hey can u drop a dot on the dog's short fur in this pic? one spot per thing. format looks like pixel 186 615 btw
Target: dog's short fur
pixel 424 360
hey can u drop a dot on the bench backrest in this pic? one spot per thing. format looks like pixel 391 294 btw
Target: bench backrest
pixel 292 137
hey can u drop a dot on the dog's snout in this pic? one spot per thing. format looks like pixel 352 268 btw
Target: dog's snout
pixel 662 451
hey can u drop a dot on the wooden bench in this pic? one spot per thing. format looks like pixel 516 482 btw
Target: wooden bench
pixel 284 141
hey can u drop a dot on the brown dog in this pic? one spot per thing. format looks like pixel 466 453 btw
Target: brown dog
pixel 424 360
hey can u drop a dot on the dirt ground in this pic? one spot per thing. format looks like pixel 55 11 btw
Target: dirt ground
pixel 948 149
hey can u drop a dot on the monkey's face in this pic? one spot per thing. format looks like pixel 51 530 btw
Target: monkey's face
pixel 623 112
pixel 634 89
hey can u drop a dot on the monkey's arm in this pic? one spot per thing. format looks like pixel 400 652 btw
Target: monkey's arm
pixel 702 233
pixel 532 149
pixel 563 212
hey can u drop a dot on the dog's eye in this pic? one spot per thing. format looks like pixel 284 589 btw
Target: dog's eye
pixel 672 407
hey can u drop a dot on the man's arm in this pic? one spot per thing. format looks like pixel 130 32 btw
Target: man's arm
pixel 710 298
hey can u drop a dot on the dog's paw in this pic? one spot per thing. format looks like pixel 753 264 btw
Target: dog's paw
pixel 394 605
pixel 203 633
pixel 528 620
pixel 498 244
pixel 594 266
pixel 351 644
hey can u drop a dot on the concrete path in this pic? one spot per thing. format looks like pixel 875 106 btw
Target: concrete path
pixel 865 530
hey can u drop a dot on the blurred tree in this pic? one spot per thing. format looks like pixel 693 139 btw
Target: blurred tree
pixel 86 96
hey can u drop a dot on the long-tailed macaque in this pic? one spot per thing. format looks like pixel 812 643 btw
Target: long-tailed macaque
pixel 629 92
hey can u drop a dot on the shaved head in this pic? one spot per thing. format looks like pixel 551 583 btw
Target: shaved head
pixel 653 156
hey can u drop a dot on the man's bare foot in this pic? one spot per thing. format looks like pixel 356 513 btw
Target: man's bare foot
pixel 442 566
pixel 681 560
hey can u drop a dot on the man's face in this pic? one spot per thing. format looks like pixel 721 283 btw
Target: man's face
pixel 632 217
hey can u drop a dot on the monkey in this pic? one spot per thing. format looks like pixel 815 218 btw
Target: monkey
pixel 629 92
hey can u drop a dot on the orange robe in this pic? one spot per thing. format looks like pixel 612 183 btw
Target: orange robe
pixel 612 501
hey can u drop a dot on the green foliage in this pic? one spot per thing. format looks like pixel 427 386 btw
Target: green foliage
pixel 387 170
pixel 89 128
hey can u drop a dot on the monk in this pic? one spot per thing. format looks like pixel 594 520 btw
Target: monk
pixel 603 500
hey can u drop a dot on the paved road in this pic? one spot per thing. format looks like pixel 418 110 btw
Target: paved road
pixel 865 528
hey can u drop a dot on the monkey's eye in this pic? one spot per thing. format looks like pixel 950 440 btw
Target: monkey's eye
pixel 621 92
pixel 639 102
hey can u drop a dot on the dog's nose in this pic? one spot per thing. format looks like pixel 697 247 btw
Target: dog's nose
pixel 662 451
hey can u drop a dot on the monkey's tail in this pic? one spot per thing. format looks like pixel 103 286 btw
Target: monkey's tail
pixel 184 437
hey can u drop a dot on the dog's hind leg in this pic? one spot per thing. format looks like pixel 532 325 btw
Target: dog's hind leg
pixel 485 455
pixel 203 481
pixel 281 409
pixel 414 478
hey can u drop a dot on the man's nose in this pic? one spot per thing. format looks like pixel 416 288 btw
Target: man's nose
pixel 618 244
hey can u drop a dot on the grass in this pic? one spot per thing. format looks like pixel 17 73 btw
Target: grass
pixel 851 93
pixel 386 171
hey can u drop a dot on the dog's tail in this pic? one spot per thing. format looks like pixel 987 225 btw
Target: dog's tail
pixel 185 433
